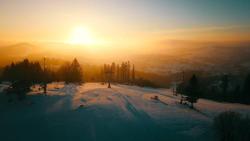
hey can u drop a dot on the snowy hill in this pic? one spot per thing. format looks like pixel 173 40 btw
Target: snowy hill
pixel 93 112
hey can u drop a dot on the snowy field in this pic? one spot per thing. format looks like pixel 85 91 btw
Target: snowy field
pixel 92 112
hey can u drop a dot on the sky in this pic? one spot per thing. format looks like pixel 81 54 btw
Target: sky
pixel 127 23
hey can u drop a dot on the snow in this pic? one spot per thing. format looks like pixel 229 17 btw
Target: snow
pixel 92 112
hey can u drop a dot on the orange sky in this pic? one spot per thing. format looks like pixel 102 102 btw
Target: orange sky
pixel 123 23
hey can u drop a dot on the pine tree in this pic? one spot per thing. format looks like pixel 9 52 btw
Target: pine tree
pixel 133 75
pixel 76 71
pixel 118 73
pixel 22 75
pixel 193 90
pixel 225 82
pixel 123 72
pixel 113 69
pixel 108 74
pixel 246 89
pixel 104 73
pixel 128 72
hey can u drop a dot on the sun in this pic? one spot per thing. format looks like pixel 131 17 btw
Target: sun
pixel 81 36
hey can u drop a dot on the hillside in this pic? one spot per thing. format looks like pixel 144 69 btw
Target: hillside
pixel 93 112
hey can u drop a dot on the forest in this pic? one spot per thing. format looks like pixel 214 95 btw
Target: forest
pixel 194 84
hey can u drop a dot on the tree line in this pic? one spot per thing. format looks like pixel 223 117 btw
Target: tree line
pixel 224 90
pixel 120 73
pixel 38 72
pixel 24 74
pixel 229 88
pixel 34 72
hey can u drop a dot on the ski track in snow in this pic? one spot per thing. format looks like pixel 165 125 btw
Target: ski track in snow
pixel 93 112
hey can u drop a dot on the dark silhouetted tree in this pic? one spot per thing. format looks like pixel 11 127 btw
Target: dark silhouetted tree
pixel 192 90
pixel 133 74
pixel 76 72
pixel 246 89
pixel 224 84
pixel 109 74
pixel 113 69
pixel 118 73
pixel 128 72
pixel 22 75
pixel 121 73
pixel 71 72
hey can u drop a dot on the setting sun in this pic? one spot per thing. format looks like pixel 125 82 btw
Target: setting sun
pixel 129 70
pixel 81 36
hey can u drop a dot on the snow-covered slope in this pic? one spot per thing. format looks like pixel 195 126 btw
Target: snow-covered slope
pixel 93 112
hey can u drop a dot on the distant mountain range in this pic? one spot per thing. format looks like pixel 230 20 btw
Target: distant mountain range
pixel 170 60
pixel 16 52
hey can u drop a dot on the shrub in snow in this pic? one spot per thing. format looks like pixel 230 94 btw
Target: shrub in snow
pixel 232 126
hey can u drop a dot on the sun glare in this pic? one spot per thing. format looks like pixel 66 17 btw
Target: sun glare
pixel 81 36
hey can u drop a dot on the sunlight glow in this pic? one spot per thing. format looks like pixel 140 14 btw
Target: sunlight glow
pixel 81 36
